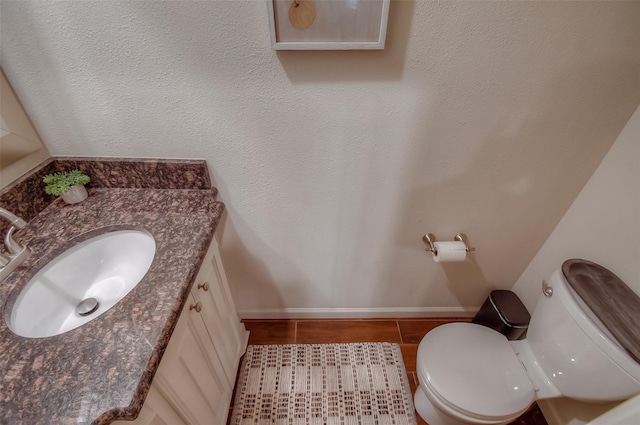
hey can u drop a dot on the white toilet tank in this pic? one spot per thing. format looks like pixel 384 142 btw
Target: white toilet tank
pixel 579 356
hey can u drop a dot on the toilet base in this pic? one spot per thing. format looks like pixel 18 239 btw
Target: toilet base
pixel 430 413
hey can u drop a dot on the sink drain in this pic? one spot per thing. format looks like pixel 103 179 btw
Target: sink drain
pixel 87 306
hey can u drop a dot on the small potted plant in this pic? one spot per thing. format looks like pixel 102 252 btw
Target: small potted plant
pixel 68 185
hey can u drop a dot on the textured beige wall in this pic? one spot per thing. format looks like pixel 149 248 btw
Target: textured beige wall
pixel 602 224
pixel 478 117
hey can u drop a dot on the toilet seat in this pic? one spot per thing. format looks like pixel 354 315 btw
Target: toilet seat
pixel 473 371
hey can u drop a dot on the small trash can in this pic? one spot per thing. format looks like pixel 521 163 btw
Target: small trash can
pixel 504 312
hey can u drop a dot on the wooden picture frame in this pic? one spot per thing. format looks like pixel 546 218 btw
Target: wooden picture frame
pixel 338 25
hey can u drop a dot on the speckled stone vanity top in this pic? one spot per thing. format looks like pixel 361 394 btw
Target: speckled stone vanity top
pixel 102 370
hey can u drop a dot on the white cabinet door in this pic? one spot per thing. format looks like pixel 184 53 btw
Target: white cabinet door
pixel 234 325
pixel 190 375
pixel 156 411
pixel 219 314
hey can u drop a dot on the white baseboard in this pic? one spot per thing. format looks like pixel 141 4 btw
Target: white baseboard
pixel 357 313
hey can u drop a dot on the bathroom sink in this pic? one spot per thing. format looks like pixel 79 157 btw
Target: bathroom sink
pixel 82 283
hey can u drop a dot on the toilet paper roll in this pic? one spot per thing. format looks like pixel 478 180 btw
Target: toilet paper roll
pixel 449 251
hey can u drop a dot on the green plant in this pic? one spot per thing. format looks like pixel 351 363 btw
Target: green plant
pixel 59 183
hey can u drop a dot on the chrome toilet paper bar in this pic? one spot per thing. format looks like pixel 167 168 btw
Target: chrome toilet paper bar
pixel 430 238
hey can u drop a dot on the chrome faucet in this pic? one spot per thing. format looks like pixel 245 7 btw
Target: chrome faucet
pixel 16 252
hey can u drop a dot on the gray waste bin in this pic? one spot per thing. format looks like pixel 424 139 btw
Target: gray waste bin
pixel 504 312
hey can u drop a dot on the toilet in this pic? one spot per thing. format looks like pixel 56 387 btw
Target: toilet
pixel 471 374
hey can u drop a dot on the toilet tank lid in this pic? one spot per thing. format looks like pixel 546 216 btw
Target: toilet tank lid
pixel 610 299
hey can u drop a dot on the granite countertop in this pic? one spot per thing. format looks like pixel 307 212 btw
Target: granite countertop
pixel 102 370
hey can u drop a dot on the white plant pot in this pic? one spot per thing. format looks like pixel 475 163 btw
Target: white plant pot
pixel 75 194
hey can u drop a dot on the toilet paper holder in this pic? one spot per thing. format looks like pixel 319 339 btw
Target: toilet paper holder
pixel 430 238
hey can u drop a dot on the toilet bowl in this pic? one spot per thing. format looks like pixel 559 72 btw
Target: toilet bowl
pixel 476 377
pixel 471 374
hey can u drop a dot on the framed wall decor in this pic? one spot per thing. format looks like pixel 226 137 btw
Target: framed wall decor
pixel 328 24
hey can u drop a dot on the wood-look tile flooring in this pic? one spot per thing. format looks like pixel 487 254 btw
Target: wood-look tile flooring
pixel 406 332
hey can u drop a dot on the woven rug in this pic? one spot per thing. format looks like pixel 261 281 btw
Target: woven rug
pixel 316 384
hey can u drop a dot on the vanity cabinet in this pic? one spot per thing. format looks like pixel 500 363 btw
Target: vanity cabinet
pixel 194 382
pixel 156 411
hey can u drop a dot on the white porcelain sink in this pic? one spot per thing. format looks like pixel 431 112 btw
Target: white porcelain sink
pixel 105 268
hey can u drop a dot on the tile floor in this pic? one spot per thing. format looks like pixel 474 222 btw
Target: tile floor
pixel 406 332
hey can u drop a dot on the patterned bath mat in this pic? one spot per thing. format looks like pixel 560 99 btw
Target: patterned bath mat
pixel 318 384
